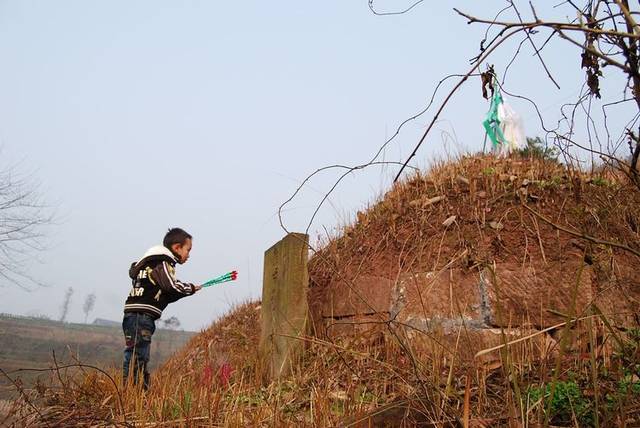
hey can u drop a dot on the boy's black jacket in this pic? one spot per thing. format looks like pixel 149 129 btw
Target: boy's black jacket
pixel 154 283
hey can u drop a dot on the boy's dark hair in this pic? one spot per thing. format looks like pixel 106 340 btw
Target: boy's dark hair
pixel 175 235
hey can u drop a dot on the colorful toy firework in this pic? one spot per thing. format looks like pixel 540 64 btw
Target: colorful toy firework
pixel 230 276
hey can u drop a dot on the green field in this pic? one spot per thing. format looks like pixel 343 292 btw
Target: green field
pixel 27 343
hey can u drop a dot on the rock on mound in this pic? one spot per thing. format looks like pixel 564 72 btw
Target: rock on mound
pixel 483 244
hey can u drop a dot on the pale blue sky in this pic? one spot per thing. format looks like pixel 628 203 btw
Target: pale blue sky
pixel 140 115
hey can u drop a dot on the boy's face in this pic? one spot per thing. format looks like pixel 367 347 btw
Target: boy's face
pixel 182 251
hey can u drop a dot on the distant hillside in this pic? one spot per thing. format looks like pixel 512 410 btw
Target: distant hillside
pixel 31 342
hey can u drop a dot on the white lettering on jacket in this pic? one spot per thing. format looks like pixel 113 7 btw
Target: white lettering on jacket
pixel 136 292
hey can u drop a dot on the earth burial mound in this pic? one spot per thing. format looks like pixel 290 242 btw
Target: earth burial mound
pixel 486 246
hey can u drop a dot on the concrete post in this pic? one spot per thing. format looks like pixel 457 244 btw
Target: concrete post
pixel 284 303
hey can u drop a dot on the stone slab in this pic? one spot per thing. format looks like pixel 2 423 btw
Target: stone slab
pixel 361 326
pixel 361 295
pixel 452 294
pixel 284 303
pixel 466 342
pixel 518 296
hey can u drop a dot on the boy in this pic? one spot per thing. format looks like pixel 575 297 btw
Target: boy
pixel 154 287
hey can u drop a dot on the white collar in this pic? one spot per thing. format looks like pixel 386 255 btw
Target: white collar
pixel 158 250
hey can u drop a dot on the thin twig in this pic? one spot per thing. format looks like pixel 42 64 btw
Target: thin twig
pixel 582 235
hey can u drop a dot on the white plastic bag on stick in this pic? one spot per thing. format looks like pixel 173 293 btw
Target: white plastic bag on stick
pixel 512 129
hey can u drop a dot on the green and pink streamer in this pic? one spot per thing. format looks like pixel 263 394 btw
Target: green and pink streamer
pixel 229 276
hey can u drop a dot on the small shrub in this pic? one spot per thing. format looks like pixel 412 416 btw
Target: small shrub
pixel 601 182
pixel 629 386
pixel 567 400
pixel 489 171
pixel 628 353
pixel 538 149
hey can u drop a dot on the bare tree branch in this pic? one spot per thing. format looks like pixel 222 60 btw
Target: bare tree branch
pixel 23 218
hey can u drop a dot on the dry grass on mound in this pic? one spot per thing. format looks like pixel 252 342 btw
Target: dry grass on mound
pixel 333 383
pixel 591 377
pixel 364 381
pixel 405 230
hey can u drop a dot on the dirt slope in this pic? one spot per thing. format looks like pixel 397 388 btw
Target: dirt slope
pixel 479 241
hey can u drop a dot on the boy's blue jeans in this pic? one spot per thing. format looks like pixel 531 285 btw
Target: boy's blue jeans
pixel 138 329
